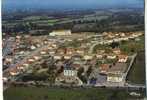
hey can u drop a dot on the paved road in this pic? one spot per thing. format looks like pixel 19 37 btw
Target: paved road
pixel 135 85
pixel 130 65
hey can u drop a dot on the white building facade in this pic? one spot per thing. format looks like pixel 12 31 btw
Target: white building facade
pixel 60 32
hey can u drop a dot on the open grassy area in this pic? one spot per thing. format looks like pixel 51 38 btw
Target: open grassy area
pixel 33 93
pixel 52 22
pixel 137 72
pixel 46 21
pixel 132 46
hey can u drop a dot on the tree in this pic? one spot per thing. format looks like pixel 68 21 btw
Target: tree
pixel 51 74
pixel 80 71
pixel 89 71
pixel 114 44
pixel 82 77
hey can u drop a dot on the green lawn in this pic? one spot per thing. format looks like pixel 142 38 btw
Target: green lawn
pixel 132 46
pixel 52 21
pixel 137 72
pixel 33 93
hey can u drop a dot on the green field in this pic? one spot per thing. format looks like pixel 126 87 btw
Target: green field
pixel 33 93
pixel 52 22
pixel 137 72
pixel 132 46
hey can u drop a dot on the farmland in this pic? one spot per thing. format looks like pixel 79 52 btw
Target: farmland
pixel 137 72
pixel 80 21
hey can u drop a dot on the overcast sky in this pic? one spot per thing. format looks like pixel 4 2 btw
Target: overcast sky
pixel 71 3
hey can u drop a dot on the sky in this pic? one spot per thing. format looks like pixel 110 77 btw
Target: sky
pixel 70 4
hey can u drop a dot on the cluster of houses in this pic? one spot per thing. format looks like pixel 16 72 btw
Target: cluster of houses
pixel 113 64
pixel 28 57
pixel 115 70
pixel 111 37
pixel 69 74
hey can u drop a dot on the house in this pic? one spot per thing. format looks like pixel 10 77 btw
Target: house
pixel 80 39
pixel 52 52
pixel 8 60
pixel 122 34
pixel 70 51
pixel 111 56
pixel 125 38
pixel 61 51
pixel 67 56
pixel 22 52
pixel 111 35
pixel 77 59
pixel 18 37
pixel 32 47
pixel 116 51
pixel 45 42
pixel 117 34
pixel 5 79
pixel 38 45
pixel 20 67
pixel 13 72
pixel 54 45
pixel 88 57
pixel 110 41
pixel 60 33
pixel 80 51
pixel 122 58
pixel 99 56
pixel 135 35
pixel 100 51
pixel 27 36
pixel 36 57
pixel 104 68
pixel 117 39
pixel 101 42
pixel 50 47
pixel 58 57
pixel 105 33
pixel 69 40
pixel 30 60
pixel 26 65
pixel 42 52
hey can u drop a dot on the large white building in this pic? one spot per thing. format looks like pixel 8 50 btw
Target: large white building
pixel 114 77
pixel 70 72
pixel 60 32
